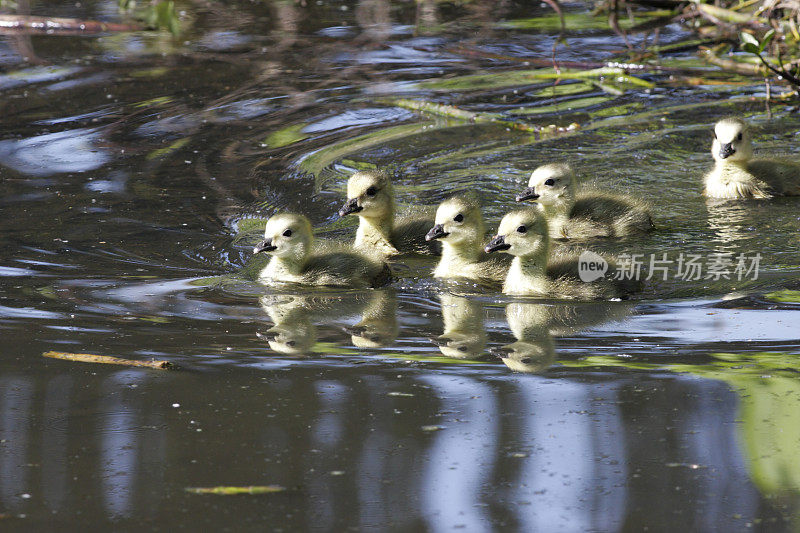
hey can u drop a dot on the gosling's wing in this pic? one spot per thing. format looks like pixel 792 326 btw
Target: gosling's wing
pixel 563 269
pixel 344 269
pixel 598 214
pixel 783 177
pixel 494 267
pixel 409 235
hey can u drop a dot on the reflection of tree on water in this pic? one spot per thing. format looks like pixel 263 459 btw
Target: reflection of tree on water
pixel 769 408
pixel 768 390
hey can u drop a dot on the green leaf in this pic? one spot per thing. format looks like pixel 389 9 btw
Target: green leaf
pixel 751 48
pixel 766 40
pixel 747 38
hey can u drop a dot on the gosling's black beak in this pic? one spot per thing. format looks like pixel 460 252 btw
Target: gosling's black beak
pixel 527 194
pixel 501 352
pixel 440 341
pixel 264 246
pixel 726 150
pixel 351 206
pixel 436 232
pixel 268 335
pixel 497 243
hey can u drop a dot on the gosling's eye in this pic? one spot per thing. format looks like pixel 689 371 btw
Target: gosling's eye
pixel 287 233
pixel 291 343
pixel 550 182
pixel 522 229
pixel 372 191
pixel 739 137
pixel 458 218
pixel 462 348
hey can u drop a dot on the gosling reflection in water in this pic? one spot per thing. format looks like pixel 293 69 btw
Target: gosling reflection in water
pixel 378 326
pixel 535 324
pixel 293 333
pixel 733 222
pixel 534 350
pixel 464 335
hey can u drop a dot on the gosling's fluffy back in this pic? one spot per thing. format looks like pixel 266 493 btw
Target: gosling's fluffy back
pixel 597 214
pixel 408 233
pixel 562 269
pixel 334 264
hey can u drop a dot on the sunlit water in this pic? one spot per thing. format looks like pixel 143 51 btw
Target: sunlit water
pixel 136 172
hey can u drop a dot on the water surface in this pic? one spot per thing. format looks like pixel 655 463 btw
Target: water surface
pixel 137 169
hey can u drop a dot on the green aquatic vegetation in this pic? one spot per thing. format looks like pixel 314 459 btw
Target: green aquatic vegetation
pixel 317 161
pixel 581 21
pixel 784 296
pixel 440 359
pixel 153 102
pixel 359 165
pixel 498 80
pixel 168 150
pixel 155 72
pixel 567 105
pixel 563 89
pixel 235 491
pixel 285 136
pixel 249 225
pixel 728 15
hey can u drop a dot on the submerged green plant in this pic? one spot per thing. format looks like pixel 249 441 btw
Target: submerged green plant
pixel 754 46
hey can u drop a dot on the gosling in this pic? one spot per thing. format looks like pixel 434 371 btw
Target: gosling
pixel 290 242
pixel 459 226
pixel 370 196
pixel 577 215
pixel 737 175
pixel 524 234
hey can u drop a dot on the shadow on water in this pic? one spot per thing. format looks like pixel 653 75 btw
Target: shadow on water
pixel 137 170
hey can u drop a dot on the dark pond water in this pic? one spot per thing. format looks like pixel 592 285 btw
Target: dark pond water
pixel 136 171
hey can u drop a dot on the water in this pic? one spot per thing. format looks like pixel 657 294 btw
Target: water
pixel 137 171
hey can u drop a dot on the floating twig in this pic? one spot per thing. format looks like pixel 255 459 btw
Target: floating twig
pixel 749 69
pixel 107 360
pixel 55 25
pixel 445 110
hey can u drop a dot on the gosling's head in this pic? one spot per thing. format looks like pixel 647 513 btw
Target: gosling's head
pixel 460 345
pixel 550 184
pixel 369 194
pixel 458 221
pixel 732 140
pixel 528 355
pixel 294 339
pixel 521 233
pixel 286 236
